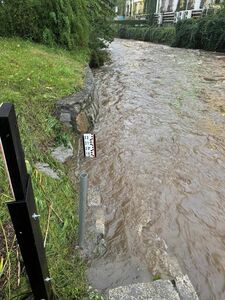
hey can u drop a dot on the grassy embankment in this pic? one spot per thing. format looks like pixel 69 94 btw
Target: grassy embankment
pixel 33 77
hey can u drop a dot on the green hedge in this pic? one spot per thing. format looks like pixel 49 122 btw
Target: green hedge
pixel 207 33
pixel 164 35
pixel 133 23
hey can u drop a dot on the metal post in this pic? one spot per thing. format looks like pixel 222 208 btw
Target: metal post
pixel 13 152
pixel 82 207
pixel 29 237
pixel 23 211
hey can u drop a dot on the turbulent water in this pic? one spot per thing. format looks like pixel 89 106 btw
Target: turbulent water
pixel 161 165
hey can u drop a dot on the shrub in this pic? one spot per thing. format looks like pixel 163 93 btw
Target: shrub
pixel 67 23
pixel 186 33
pixel 61 22
pixel 206 33
pixel 164 35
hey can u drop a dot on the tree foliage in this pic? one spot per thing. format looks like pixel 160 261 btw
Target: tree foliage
pixel 67 23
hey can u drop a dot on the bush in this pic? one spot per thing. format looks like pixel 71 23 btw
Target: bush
pixel 65 23
pixel 98 58
pixel 61 22
pixel 164 35
pixel 207 33
pixel 186 34
pixel 133 23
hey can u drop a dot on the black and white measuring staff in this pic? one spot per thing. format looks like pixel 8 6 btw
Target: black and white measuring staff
pixel 89 144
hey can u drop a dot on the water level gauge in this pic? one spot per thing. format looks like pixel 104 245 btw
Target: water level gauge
pixel 89 142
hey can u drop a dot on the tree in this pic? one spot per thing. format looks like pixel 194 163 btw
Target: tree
pixel 67 23
pixel 101 13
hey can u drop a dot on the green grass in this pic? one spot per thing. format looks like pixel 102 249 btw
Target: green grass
pixel 33 77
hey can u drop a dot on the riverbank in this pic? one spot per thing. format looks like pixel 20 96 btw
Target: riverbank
pixel 34 77
pixel 206 33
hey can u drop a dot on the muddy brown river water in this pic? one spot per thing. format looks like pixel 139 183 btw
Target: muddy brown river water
pixel 161 165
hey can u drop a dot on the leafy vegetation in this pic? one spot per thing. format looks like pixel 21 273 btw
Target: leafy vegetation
pixel 156 277
pixel 53 22
pixel 132 23
pixel 163 35
pixel 33 77
pixel 206 33
pixel 100 17
pixel 65 23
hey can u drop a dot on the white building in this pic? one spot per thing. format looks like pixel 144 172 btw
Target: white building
pixel 182 5
pixel 134 7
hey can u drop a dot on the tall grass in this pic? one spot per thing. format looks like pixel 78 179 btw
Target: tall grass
pixel 33 77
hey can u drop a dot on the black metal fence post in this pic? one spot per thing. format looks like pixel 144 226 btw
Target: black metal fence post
pixel 23 210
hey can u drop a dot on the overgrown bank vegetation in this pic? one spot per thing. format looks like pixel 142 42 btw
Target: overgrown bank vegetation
pixel 33 77
pixel 206 33
pixel 163 35
pixel 66 23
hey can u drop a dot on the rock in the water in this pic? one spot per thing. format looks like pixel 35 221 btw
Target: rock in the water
pixel 82 122
pixel 157 290
pixel 100 226
pixel 101 247
pixel 94 197
pixel 45 169
pixel 185 288
pixel 62 154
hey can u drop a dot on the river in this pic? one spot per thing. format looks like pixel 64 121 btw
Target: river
pixel 161 165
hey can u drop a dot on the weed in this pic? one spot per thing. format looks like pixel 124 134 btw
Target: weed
pixel 94 295
pixel 156 277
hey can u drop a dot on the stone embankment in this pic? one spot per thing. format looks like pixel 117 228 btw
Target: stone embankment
pixel 80 110
pixel 180 289
pixel 177 287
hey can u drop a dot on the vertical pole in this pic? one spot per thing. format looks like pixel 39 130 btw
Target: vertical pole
pixel 23 211
pixel 12 151
pixel 82 207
